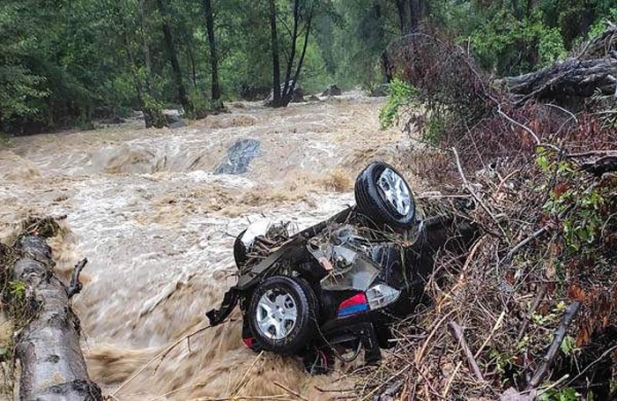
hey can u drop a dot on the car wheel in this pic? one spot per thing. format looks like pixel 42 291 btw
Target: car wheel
pixel 240 251
pixel 282 314
pixel 383 195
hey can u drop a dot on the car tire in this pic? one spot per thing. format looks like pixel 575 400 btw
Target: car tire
pixel 283 314
pixel 240 251
pixel 393 206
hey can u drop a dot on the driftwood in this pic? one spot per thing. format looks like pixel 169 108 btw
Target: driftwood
pixel 53 367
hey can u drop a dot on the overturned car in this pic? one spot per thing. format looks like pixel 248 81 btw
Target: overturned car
pixel 335 288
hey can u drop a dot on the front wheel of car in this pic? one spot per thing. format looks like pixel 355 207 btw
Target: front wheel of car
pixel 383 196
pixel 282 314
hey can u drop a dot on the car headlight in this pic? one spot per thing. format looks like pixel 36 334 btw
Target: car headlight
pixel 381 295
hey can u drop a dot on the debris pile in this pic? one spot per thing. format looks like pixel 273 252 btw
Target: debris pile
pixel 530 310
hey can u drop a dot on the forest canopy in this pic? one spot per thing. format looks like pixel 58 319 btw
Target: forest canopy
pixel 64 63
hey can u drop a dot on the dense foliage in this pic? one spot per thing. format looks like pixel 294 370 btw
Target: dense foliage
pixel 64 63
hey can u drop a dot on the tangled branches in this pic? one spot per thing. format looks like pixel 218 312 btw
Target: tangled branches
pixel 531 309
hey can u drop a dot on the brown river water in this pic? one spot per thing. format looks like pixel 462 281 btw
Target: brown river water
pixel 158 227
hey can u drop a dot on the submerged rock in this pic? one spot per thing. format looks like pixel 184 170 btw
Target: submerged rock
pixel 239 156
pixel 174 119
pixel 332 90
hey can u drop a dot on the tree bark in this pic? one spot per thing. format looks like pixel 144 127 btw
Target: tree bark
pixel 216 89
pixel 402 11
pixel 294 38
pixel 53 367
pixel 146 49
pixel 415 14
pixel 173 59
pixel 571 78
pixel 289 95
pixel 276 66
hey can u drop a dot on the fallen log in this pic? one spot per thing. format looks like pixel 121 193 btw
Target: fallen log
pixel 593 70
pixel 52 364
pixel 570 78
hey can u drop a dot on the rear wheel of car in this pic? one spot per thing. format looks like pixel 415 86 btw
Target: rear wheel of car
pixel 283 314
pixel 383 196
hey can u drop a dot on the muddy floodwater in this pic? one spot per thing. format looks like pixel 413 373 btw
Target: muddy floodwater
pixel 157 226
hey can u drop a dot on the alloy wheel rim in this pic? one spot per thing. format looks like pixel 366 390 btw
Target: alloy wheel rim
pixel 277 314
pixel 394 191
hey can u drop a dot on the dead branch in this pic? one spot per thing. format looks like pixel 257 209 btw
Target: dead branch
pixel 277 384
pixel 560 333
pixel 535 305
pixel 457 332
pixel 75 285
pixel 524 242
pixel 601 46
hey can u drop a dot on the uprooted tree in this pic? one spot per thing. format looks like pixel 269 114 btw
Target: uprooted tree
pixel 532 307
pixel 47 345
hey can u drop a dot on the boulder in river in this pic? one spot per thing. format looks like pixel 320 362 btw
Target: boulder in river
pixel 173 118
pixel 239 156
pixel 332 90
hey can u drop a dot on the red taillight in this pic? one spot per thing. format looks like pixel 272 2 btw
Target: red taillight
pixel 353 305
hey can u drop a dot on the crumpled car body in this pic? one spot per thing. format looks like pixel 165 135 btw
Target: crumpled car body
pixel 335 288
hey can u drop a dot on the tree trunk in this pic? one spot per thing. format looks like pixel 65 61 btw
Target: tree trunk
pixel 53 367
pixel 294 38
pixel 147 62
pixel 216 89
pixel 289 95
pixel 276 66
pixel 173 59
pixel 191 57
pixel 529 8
pixel 402 11
pixel 415 15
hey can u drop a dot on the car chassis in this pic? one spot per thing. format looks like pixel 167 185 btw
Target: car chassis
pixel 337 287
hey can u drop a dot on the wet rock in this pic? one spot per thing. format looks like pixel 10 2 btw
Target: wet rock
pixel 239 156
pixel 332 90
pixel 173 119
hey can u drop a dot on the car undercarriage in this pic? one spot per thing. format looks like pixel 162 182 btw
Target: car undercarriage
pixel 335 288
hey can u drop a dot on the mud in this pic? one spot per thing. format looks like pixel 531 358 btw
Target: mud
pixel 158 226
